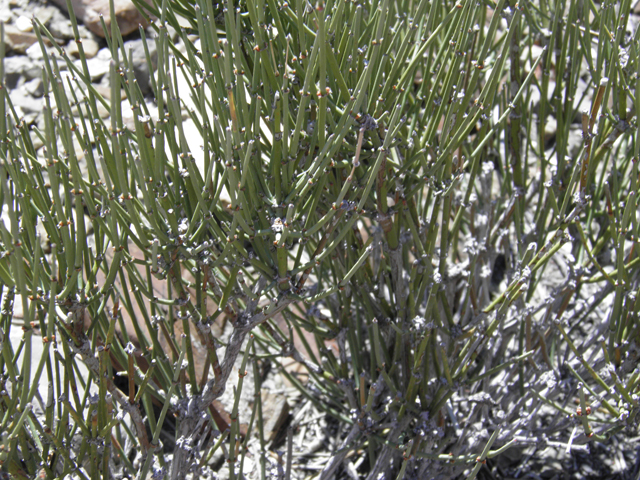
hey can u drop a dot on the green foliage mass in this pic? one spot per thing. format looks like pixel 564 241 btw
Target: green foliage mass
pixel 384 165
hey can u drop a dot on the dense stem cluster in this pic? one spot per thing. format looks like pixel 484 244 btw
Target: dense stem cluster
pixel 367 190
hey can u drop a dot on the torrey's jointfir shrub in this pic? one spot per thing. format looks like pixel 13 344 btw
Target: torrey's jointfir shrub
pixel 430 206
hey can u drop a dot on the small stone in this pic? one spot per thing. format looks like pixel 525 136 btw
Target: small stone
pixel 36 142
pixel 12 72
pixel 26 102
pixel 140 66
pixel 35 87
pixel 89 46
pixel 575 141
pixel 34 52
pixel 72 49
pixel 32 70
pixel 97 68
pixel 550 128
pixel 60 26
pixel 105 91
pixel 45 14
pixel 5 12
pixel 104 54
pixel 23 23
pixel 89 13
pixel 103 111
pixel 17 40
pixel 275 410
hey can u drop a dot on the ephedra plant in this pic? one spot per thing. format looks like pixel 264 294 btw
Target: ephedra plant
pixel 438 198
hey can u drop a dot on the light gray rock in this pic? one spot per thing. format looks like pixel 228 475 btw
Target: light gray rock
pixel 28 104
pixel 97 68
pixel 104 54
pixel 45 14
pixel 59 25
pixel 141 69
pixel 6 15
pixel 575 141
pixel 89 45
pixel 23 23
pixel 17 40
pixel 550 128
pixel 20 68
pixel 34 52
pixel 35 87
pixel 89 12
pixel 37 144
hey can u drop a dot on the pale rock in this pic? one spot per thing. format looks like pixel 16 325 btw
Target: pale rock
pixel 550 128
pixel 105 92
pixel 575 141
pixel 90 11
pixel 141 69
pixel 97 68
pixel 5 12
pixel 34 52
pixel 26 102
pixel 19 66
pixel 17 40
pixel 104 54
pixel 23 23
pixel 72 49
pixel 103 111
pixel 36 140
pixel 89 46
pixel 35 87
pixel 275 411
pixel 59 26
pixel 45 14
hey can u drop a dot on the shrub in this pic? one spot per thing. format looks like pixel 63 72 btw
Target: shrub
pixel 467 272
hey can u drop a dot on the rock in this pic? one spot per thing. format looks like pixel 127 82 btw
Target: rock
pixel 31 70
pixel 35 87
pixel 104 54
pixel 37 144
pixel 275 410
pixel 103 111
pixel 5 12
pixel 45 14
pixel 34 52
pixel 28 104
pixel 89 12
pixel 550 127
pixel 97 68
pixel 105 91
pixel 17 67
pixel 89 45
pixel 59 25
pixel 140 67
pixel 575 141
pixel 23 23
pixel 17 40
